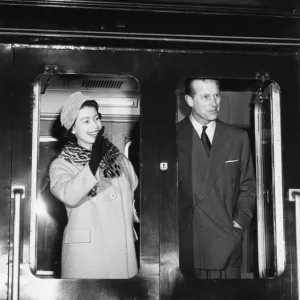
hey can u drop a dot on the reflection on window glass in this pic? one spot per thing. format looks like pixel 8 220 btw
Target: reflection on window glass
pixel 87 189
pixel 268 189
pixel 216 180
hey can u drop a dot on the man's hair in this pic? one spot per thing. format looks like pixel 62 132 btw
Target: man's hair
pixel 88 103
pixel 189 87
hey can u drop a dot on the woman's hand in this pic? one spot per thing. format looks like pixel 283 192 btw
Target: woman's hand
pixel 98 151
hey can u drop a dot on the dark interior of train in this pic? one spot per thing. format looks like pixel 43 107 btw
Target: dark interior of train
pixel 120 106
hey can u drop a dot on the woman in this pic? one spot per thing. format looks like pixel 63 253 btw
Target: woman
pixel 96 183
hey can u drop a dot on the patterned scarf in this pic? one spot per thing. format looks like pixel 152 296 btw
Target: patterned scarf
pixel 77 155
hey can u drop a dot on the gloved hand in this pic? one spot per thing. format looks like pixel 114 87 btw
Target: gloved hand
pixel 98 151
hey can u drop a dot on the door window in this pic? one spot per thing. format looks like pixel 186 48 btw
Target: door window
pixel 119 104
pixel 204 208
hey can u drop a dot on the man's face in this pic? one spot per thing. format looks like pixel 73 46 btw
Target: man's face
pixel 205 103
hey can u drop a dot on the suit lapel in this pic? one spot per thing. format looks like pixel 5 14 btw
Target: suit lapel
pixel 187 139
pixel 219 151
pixel 199 163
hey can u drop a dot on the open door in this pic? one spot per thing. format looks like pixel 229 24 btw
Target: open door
pixel 270 222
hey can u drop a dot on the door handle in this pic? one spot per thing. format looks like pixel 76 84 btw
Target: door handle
pixel 294 196
pixel 17 193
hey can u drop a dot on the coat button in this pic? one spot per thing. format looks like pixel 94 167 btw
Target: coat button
pixel 113 196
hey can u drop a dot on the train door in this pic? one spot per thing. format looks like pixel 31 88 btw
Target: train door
pixel 119 104
pixel 268 269
pixel 40 218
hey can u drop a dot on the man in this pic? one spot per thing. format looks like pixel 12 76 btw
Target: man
pixel 216 186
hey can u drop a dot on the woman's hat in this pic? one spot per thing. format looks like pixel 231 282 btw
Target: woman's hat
pixel 71 108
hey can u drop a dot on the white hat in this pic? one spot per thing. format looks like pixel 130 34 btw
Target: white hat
pixel 71 108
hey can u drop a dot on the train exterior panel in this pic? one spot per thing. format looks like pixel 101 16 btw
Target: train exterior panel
pixel 157 57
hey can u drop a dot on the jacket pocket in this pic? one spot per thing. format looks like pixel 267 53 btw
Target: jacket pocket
pixel 233 170
pixel 77 235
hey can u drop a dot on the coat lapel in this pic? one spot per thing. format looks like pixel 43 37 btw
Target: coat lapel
pixel 219 151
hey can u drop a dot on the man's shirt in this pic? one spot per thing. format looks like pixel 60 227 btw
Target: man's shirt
pixel 210 131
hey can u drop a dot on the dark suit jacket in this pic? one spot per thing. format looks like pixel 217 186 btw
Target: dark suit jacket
pixel 213 192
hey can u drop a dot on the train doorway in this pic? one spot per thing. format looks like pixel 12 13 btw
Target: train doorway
pixel 254 106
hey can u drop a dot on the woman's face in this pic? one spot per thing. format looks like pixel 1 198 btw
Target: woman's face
pixel 86 126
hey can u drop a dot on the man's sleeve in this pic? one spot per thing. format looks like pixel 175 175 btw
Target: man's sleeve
pixel 247 189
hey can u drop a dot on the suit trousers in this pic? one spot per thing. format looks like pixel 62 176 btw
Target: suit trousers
pixel 233 270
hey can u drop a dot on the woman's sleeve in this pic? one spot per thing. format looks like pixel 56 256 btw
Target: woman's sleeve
pixel 131 173
pixel 134 183
pixel 69 188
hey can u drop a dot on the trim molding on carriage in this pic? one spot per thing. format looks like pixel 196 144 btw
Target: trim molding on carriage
pixel 178 38
pixel 192 7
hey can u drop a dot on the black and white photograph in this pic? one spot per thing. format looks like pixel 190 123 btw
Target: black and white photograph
pixel 150 150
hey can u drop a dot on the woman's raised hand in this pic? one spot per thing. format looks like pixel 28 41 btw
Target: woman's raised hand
pixel 98 151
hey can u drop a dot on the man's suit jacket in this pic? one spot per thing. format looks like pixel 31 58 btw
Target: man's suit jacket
pixel 213 192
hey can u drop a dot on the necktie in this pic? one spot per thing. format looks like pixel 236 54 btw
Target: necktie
pixel 205 140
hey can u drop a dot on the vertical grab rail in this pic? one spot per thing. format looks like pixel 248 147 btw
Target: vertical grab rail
pixel 277 180
pixel 17 193
pixel 297 200
pixel 294 196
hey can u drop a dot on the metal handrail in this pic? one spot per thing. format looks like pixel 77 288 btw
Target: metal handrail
pixel 294 195
pixel 17 193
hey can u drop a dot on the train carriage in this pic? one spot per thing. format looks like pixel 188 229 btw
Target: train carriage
pixel 133 59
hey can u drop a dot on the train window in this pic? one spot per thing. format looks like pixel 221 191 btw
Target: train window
pixel 230 209
pixel 60 245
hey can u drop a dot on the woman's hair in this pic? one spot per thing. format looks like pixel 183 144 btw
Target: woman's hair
pixel 88 103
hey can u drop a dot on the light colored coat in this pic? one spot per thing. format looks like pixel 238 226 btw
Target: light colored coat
pixel 99 238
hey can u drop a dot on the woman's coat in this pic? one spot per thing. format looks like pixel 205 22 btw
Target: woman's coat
pixel 99 238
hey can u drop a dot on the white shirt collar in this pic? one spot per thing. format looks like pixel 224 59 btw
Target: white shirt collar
pixel 210 131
